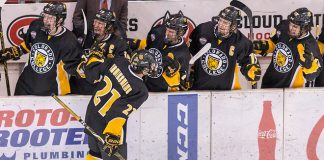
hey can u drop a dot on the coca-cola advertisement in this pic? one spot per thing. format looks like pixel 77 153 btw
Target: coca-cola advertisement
pixel 267 134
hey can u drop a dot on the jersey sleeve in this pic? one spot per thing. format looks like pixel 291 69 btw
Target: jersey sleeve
pixel 195 45
pixel 121 49
pixel 71 54
pixel 317 64
pixel 34 27
pixel 244 49
pixel 95 67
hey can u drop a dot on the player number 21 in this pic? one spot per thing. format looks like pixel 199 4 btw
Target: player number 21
pixel 108 88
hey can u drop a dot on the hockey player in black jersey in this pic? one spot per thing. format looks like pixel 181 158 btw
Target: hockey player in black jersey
pixel 296 59
pixel 119 92
pixel 105 42
pixel 53 53
pixel 166 43
pixel 230 52
pixel 319 82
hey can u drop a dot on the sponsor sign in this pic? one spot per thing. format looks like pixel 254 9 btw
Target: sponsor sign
pixel 182 127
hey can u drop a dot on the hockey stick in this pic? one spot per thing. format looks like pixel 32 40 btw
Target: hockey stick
pixel 85 30
pixel 248 12
pixel 5 66
pixel 197 56
pixel 88 128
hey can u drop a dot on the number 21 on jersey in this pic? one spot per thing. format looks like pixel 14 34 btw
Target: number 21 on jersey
pixel 114 96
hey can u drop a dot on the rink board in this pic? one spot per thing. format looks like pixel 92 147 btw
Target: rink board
pixel 184 125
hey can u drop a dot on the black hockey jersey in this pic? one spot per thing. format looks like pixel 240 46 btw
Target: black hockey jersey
pixel 285 71
pixel 218 68
pixel 156 46
pixel 118 93
pixel 112 46
pixel 319 82
pixel 51 58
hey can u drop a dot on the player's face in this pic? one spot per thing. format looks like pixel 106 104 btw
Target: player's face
pixel 294 30
pixel 99 27
pixel 224 27
pixel 49 21
pixel 171 35
pixel 152 71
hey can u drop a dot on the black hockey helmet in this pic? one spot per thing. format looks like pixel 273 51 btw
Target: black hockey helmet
pixel 57 9
pixel 231 14
pixel 177 22
pixel 106 16
pixel 302 17
pixel 141 60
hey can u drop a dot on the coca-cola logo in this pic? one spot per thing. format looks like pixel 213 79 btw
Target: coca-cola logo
pixel 191 24
pixel 313 139
pixel 18 27
pixel 267 134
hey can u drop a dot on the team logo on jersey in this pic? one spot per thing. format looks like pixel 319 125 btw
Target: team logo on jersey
pixel 214 62
pixel 191 24
pixel 158 58
pixel 41 58
pixel 202 40
pixel 18 27
pixel 282 57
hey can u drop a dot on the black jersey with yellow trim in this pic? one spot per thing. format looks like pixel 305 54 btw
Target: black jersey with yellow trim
pixel 155 44
pixel 51 60
pixel 218 68
pixel 319 82
pixel 112 46
pixel 285 70
pixel 118 93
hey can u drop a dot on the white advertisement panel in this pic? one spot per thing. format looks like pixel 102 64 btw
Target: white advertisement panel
pixel 247 125
pixel 304 124
pixel 39 128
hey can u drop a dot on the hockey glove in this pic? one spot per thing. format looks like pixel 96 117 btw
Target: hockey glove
pixel 10 53
pixel 185 83
pixel 306 57
pixel 261 47
pixel 111 144
pixel 171 65
pixel 81 66
pixel 253 72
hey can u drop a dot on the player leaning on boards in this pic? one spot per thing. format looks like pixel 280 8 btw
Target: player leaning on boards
pixel 296 57
pixel 105 42
pixel 218 68
pixel 54 52
pixel 167 44
pixel 120 91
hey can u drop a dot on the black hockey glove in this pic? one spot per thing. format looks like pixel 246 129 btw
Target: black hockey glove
pixel 185 83
pixel 10 53
pixel 170 65
pixel 111 144
pixel 261 47
pixel 253 72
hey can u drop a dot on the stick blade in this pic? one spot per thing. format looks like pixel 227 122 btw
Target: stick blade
pixel 200 53
pixel 241 6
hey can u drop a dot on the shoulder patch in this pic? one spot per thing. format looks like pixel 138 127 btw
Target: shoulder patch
pixel 33 34
pixel 202 40
pixel 153 37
